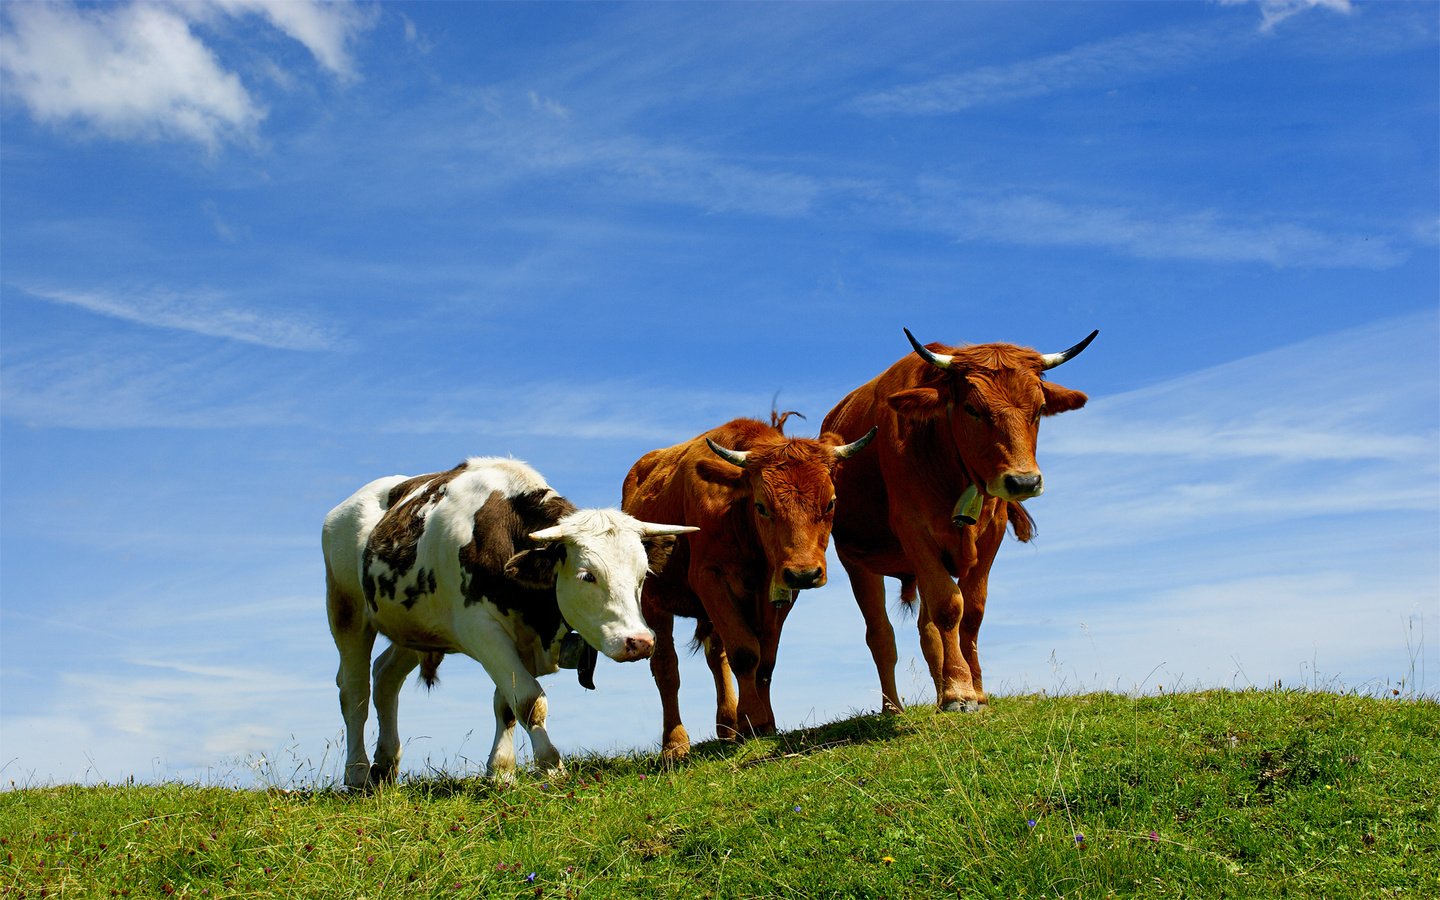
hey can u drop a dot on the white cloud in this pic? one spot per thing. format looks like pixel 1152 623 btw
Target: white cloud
pixel 1273 12
pixel 128 71
pixel 197 312
pixel 326 29
pixel 1200 235
pixel 139 70
pixel 1094 66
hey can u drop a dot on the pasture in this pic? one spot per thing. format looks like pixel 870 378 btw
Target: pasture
pixel 1255 793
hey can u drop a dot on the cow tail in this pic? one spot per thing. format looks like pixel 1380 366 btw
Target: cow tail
pixel 907 591
pixel 1021 522
pixel 429 666
pixel 703 629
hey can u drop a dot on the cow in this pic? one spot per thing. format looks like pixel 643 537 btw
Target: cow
pixel 763 503
pixel 485 559
pixel 950 419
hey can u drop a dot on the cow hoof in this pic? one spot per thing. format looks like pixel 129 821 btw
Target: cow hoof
pixel 674 755
pixel 960 706
pixel 380 775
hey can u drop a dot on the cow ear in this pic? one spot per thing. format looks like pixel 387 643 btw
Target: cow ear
pixel 535 568
pixel 917 403
pixel 719 472
pixel 658 550
pixel 1061 399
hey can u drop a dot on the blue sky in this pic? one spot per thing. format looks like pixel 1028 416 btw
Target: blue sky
pixel 256 254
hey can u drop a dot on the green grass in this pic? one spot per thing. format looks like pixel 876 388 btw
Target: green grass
pixel 1218 794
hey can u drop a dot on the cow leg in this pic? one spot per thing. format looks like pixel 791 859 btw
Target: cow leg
pixel 354 639
pixel 869 591
pixel 501 766
pixel 486 642
pixel 941 604
pixel 742 650
pixel 726 700
pixel 389 673
pixel 974 587
pixel 665 669
pixel 772 622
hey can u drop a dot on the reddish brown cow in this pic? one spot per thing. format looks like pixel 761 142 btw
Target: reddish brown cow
pixel 763 503
pixel 948 418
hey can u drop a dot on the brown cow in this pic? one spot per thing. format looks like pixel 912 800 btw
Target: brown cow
pixel 948 418
pixel 763 503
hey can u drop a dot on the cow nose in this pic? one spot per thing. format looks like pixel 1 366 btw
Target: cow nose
pixel 799 579
pixel 638 647
pixel 1022 486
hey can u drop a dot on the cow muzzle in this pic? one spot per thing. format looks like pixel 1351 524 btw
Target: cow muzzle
pixel 637 646
pixel 798 579
pixel 1017 486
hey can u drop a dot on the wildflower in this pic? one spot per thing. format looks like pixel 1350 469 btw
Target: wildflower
pixel 1079 838
pixel 797 809
pixel 370 859
pixel 887 860
pixel 1030 822
pixel 1155 836
pixel 530 878
pixel 455 886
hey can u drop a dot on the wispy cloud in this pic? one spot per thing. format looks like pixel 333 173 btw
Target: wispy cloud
pixel 1333 424
pixel 198 312
pixel 1273 12
pixel 139 70
pixel 1095 66
pixel 1208 235
pixel 121 385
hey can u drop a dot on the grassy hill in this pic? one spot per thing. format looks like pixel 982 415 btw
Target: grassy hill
pixel 1240 794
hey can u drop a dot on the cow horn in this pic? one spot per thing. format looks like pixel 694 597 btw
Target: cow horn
pixel 855 447
pixel 1054 359
pixel 938 360
pixel 547 535
pixel 650 529
pixel 734 457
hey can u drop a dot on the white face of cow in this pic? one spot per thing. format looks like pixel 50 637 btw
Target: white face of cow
pixel 597 584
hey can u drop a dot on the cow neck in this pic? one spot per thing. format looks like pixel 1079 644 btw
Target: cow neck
pixel 967 477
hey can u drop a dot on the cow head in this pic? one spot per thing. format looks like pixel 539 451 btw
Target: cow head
pixel 596 560
pixel 787 485
pixel 991 398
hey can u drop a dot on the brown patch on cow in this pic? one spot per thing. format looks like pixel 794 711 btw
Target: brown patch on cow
pixel 424 585
pixel 396 538
pixel 534 714
pixel 502 529
pixel 340 608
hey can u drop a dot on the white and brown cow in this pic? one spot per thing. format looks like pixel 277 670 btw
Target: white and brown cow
pixel 486 560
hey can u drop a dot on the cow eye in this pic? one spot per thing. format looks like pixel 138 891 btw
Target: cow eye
pixel 971 411
pixel 762 510
pixel 830 507
pixel 586 575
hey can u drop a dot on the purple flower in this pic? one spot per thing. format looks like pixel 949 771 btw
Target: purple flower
pixel 530 878
pixel 797 809
pixel 1155 836
pixel 1079 838
pixel 1030 822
